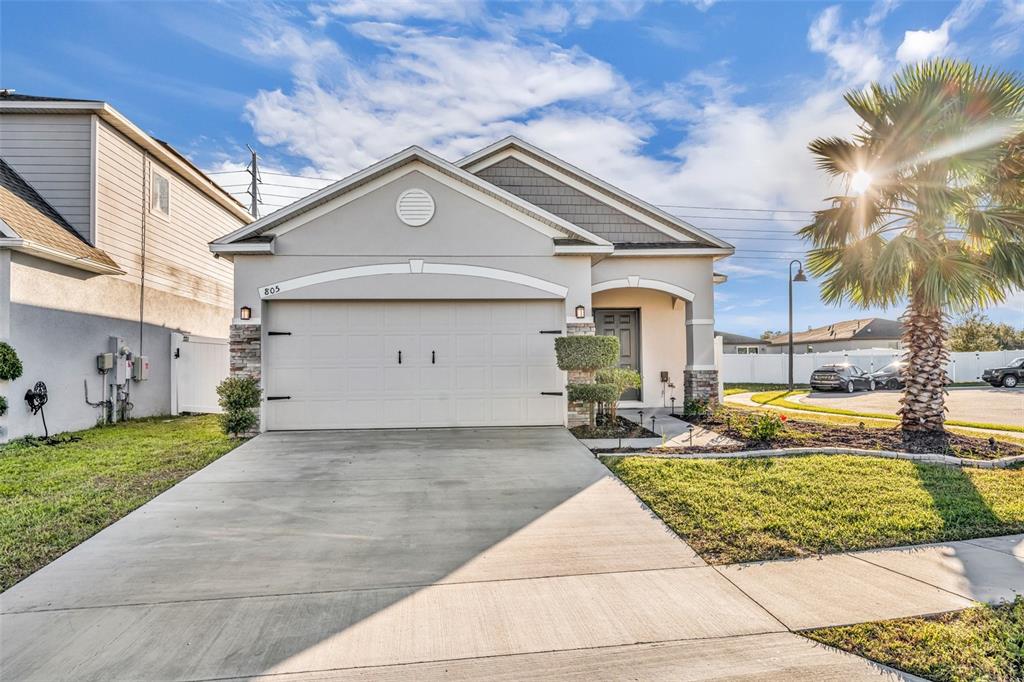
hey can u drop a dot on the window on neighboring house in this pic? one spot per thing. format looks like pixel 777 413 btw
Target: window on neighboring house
pixel 161 195
pixel 746 350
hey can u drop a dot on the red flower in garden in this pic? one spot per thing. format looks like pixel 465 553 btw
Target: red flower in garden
pixel 782 417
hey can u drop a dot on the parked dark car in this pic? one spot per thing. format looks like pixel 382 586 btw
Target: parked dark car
pixel 1009 376
pixel 847 378
pixel 889 376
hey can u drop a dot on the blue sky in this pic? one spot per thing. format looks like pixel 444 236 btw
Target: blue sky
pixel 687 104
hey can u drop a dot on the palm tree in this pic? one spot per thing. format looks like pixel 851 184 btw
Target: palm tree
pixel 932 213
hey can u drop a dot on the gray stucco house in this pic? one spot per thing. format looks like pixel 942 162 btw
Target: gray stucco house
pixel 419 292
pixel 741 344
pixel 104 232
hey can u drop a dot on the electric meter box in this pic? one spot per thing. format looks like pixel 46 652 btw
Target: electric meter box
pixel 140 368
pixel 105 362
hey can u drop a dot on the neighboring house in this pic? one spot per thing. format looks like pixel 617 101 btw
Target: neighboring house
pixel 738 344
pixel 871 332
pixel 419 292
pixel 104 233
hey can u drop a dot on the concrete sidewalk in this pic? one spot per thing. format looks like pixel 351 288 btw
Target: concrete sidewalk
pixel 856 587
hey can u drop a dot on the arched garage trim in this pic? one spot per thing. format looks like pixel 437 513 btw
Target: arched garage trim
pixel 414 267
pixel 644 283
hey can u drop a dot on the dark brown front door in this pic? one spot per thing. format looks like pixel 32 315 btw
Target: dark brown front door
pixel 624 324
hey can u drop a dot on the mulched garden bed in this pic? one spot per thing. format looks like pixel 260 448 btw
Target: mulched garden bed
pixel 606 428
pixel 799 433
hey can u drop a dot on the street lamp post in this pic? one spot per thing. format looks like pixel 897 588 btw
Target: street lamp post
pixel 799 277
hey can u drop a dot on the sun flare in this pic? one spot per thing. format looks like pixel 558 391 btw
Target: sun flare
pixel 860 182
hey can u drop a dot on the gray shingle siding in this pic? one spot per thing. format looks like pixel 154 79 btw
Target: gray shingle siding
pixel 566 202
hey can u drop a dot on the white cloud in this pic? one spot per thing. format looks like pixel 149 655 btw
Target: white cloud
pixel 446 93
pixel 921 45
pixel 917 46
pixel 855 51
pixel 399 10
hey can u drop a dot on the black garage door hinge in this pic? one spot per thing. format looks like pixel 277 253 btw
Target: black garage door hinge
pixel 551 393
pixel 550 331
pixel 279 397
pixel 279 333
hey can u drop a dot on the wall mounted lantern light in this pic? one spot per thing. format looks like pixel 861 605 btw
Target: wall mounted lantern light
pixel 245 313
pixel 581 312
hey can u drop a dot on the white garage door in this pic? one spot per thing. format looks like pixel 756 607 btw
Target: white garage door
pixel 335 364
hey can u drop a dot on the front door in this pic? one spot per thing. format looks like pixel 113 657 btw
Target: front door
pixel 624 324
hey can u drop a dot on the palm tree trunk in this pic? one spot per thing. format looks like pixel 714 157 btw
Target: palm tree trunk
pixel 923 410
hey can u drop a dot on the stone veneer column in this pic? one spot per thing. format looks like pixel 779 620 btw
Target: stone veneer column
pixel 701 383
pixel 246 355
pixel 579 413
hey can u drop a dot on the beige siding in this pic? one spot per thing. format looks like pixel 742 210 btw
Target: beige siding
pixel 177 258
pixel 52 152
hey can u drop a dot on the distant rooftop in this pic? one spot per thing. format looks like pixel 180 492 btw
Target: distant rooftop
pixel 869 328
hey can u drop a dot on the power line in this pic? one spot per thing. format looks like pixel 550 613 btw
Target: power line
pixel 723 208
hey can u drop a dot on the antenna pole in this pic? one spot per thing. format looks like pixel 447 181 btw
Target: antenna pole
pixel 254 183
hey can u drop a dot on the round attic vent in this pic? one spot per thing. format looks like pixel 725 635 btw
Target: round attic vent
pixel 415 207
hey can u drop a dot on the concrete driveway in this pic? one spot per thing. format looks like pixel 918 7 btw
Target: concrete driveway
pixel 500 553
pixel 989 405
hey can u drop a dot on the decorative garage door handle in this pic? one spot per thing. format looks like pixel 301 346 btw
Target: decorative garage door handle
pixel 399 357
pixel 279 397
pixel 433 357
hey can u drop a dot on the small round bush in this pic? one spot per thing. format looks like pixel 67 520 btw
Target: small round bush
pixel 3 406
pixel 767 427
pixel 238 397
pixel 10 363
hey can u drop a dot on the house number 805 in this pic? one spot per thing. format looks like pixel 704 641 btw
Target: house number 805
pixel 270 291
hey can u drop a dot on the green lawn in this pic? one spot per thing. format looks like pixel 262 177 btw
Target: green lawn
pixel 733 510
pixel 733 389
pixel 782 399
pixel 54 497
pixel 981 643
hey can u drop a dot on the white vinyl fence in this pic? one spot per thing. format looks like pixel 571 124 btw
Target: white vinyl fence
pixel 198 364
pixel 774 369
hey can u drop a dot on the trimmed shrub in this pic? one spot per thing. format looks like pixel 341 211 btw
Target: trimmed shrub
pixel 238 397
pixel 593 393
pixel 10 363
pixel 586 352
pixel 623 379
pixel 3 405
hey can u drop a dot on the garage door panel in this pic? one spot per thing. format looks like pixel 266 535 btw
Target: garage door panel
pixel 463 364
pixel 437 378
pixel 363 349
pixel 327 349
pixel 509 378
pixel 473 347
pixel 471 411
pixel 323 382
pixel 364 379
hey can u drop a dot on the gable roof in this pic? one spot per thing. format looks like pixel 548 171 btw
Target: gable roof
pixel 594 186
pixel 869 328
pixel 28 223
pixel 545 190
pixel 16 103
pixel 382 168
